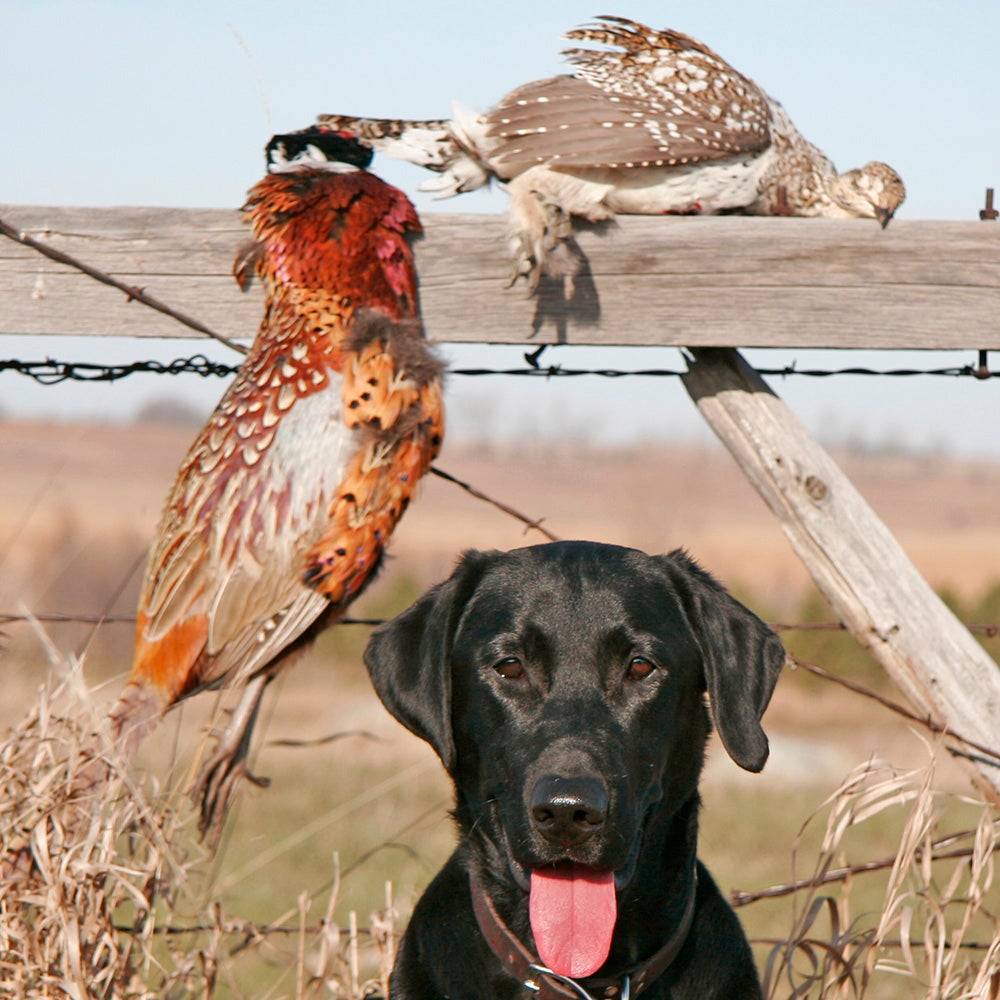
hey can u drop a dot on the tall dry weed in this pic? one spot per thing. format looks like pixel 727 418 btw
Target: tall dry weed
pixel 80 858
pixel 936 934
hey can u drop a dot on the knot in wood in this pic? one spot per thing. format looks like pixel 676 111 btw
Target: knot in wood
pixel 815 488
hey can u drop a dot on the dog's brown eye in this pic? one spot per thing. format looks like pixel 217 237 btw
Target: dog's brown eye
pixel 509 668
pixel 639 667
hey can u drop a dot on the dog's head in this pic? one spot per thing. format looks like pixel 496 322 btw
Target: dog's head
pixel 564 688
pixel 576 672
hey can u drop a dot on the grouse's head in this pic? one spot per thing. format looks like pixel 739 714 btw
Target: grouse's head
pixel 316 146
pixel 873 191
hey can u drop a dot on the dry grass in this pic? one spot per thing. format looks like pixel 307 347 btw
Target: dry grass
pixel 100 881
pixel 936 932
pixel 74 857
pixel 105 894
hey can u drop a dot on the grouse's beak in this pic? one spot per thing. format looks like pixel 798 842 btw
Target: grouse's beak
pixel 884 216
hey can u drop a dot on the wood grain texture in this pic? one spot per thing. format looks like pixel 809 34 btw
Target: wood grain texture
pixel 851 555
pixel 686 281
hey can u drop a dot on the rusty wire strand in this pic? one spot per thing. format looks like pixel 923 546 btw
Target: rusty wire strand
pixel 991 754
pixel 529 523
pixel 741 897
pixel 132 292
pixel 988 629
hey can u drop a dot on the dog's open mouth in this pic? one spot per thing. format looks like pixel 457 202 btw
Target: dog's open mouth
pixel 573 911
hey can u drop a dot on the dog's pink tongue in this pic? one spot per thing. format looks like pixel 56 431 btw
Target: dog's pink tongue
pixel 573 911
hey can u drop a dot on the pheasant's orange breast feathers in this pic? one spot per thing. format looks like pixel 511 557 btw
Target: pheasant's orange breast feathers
pixel 376 491
pixel 392 399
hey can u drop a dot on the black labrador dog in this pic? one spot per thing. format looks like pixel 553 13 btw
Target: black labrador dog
pixel 564 688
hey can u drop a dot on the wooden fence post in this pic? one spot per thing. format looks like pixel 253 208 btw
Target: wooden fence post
pixel 853 558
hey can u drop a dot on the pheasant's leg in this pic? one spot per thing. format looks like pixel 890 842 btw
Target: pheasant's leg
pixel 219 777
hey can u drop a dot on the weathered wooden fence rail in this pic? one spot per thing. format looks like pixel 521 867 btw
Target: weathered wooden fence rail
pixel 694 282
pixel 714 282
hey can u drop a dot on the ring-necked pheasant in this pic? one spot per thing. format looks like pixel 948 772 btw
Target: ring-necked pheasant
pixel 285 501
pixel 656 124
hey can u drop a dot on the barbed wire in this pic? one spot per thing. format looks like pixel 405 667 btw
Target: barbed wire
pixel 973 750
pixel 51 371
pixel 935 851
pixel 982 753
pixel 978 752
pixel 988 629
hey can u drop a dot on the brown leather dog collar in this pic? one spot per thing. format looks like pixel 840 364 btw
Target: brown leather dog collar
pixel 548 985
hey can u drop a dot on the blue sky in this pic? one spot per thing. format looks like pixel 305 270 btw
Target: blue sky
pixel 131 102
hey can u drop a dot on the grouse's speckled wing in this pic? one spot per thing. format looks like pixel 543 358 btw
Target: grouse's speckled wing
pixel 659 98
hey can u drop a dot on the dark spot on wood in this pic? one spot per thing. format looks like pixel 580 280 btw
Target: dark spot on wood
pixel 816 488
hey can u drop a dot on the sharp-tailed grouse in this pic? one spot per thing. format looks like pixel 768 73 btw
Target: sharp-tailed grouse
pixel 656 124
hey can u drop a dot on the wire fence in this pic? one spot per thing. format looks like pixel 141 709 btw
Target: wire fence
pixel 53 372
pixel 989 630
pixel 965 747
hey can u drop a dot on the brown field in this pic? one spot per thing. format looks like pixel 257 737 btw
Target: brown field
pixel 104 483
pixel 78 504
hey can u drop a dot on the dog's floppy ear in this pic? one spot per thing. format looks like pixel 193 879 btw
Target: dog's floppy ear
pixel 742 658
pixel 408 658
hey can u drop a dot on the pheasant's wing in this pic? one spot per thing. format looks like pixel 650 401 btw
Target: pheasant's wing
pixel 224 588
pixel 661 99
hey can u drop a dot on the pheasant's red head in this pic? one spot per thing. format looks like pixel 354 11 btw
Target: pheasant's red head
pixel 319 230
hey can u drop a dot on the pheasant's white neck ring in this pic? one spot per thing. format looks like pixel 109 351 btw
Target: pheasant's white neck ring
pixel 310 156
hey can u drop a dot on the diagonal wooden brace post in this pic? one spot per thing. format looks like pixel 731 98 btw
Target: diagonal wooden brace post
pixel 853 558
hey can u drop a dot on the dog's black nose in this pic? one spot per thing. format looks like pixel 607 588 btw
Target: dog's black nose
pixel 568 811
